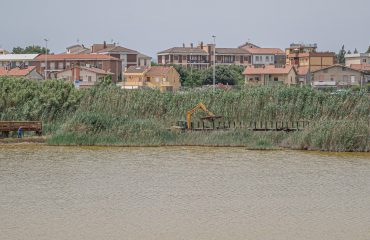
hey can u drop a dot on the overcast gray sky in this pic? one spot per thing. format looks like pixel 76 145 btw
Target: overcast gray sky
pixel 150 26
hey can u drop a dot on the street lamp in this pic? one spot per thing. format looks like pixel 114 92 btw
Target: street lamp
pixel 46 57
pixel 214 62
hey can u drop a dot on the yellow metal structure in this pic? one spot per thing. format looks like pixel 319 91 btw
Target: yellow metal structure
pixel 190 113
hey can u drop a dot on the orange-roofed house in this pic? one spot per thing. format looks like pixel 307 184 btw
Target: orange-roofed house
pixel 365 68
pixel 270 75
pixel 266 56
pixel 164 78
pixel 26 72
pixel 60 62
pixel 83 77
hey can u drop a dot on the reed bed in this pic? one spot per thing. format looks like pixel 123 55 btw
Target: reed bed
pixel 107 115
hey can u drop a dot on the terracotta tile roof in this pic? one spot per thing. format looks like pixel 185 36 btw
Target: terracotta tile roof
pixel 302 70
pixel 91 69
pixel 271 51
pixel 184 50
pixel 269 69
pixel 156 71
pixel 361 67
pixel 117 49
pixel 140 55
pixel 134 69
pixel 16 72
pixel 336 65
pixel 75 57
pixel 231 51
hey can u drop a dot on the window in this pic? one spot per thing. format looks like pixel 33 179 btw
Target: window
pixel 60 65
pixel 81 79
pixel 52 65
pixel 68 64
pixel 344 69
pixel 157 79
pixel 176 57
pixel 364 60
pixel 267 58
pixel 89 78
pixel 164 79
pixel 257 78
pixel 276 79
pixel 148 79
pixel 353 79
pixel 42 64
pixel 331 77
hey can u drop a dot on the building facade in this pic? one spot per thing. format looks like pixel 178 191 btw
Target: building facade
pixel 337 76
pixel 60 62
pixel 17 60
pixel 358 58
pixel 23 72
pixel 163 78
pixel 83 77
pixel 270 75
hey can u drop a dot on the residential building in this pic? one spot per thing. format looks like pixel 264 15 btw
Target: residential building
pixel 127 56
pixel 16 60
pixel 78 49
pixel 24 72
pixel 202 56
pixel 299 48
pixel 306 55
pixel 266 56
pixel 337 76
pixel 60 62
pixel 304 75
pixel 83 77
pixel 270 75
pixel 365 68
pixel 189 57
pixel 164 78
pixel 357 58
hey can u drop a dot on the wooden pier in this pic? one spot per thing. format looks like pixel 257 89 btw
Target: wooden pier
pixel 12 126
pixel 256 126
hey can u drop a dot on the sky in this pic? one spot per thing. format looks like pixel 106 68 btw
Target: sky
pixel 150 26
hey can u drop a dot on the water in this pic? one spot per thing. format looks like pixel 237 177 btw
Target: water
pixel 182 193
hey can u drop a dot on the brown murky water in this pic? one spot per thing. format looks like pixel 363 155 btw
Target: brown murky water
pixel 182 193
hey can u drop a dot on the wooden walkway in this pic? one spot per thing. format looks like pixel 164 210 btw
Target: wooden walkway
pixel 12 126
pixel 256 126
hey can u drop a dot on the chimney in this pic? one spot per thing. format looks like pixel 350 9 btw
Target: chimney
pixel 183 45
pixel 201 44
pixel 191 45
pixel 78 72
pixel 105 44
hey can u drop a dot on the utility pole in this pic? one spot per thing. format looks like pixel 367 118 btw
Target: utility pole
pixel 46 57
pixel 214 63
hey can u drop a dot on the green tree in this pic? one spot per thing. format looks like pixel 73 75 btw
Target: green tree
pixel 349 52
pixel 341 56
pixel 355 52
pixel 228 75
pixel 368 50
pixel 30 50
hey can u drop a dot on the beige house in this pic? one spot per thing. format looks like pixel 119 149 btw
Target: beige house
pixel 83 77
pixel 337 76
pixel 163 78
pixel 270 75
pixel 357 58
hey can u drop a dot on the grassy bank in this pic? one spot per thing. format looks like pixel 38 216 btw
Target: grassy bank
pixel 107 115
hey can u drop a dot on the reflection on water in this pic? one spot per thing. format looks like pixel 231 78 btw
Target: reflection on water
pixel 182 193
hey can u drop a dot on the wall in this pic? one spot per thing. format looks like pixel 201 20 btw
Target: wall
pixel 340 75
